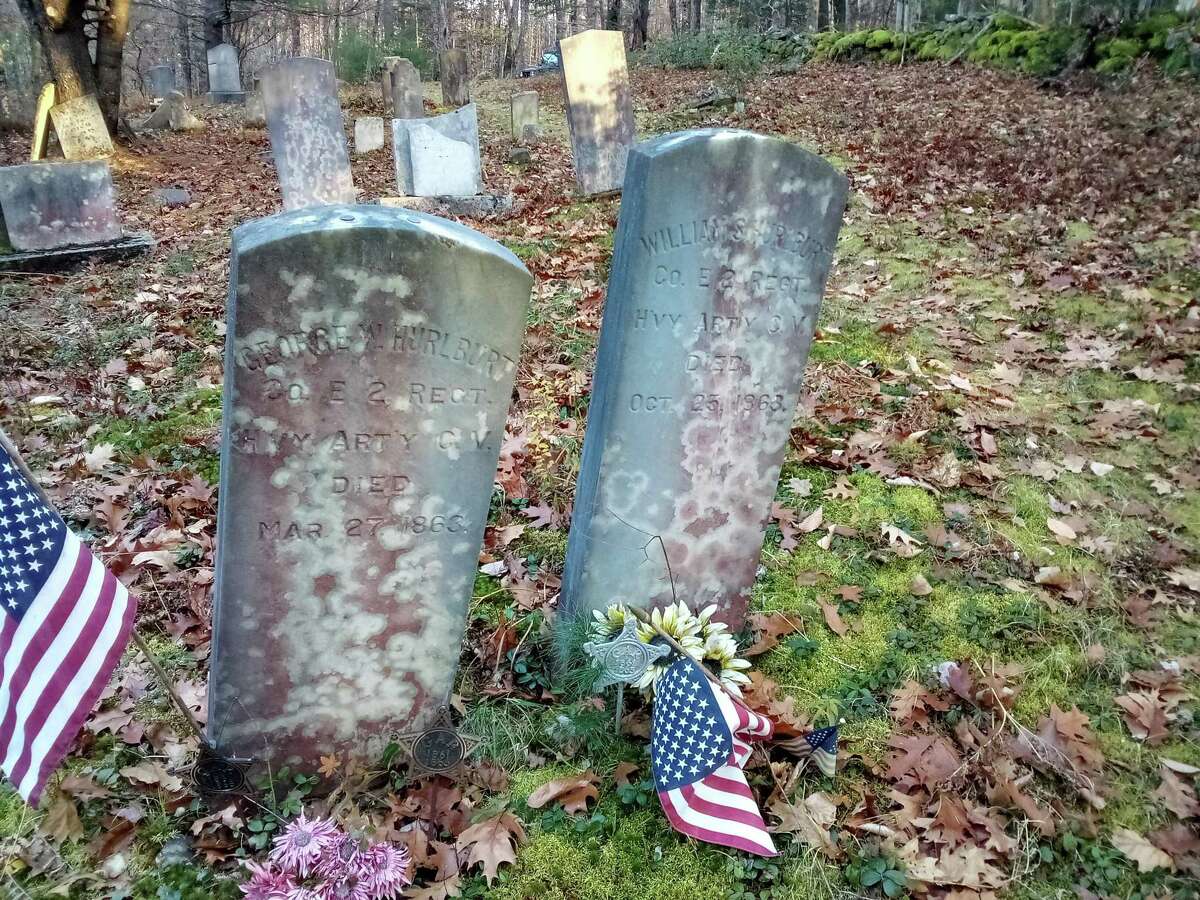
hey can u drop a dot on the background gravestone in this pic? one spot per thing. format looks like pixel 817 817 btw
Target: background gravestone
pixel 385 79
pixel 368 134
pixel 58 204
pixel 442 166
pixel 599 109
pixel 524 113
pixel 160 81
pixel 308 139
pixel 407 100
pixel 224 75
pixel 172 113
pixel 460 125
pixel 711 307
pixel 370 359
pixel 82 132
pixel 456 83
pixel 41 122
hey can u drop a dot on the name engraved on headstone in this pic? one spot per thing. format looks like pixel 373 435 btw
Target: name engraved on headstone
pixel 369 366
pixel 82 132
pixel 711 309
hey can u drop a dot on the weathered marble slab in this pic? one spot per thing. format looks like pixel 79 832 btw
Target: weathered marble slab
pixel 58 204
pixel 81 129
pixel 160 81
pixel 460 125
pixel 41 122
pixel 599 108
pixel 370 358
pixel 308 139
pixel 524 113
pixel 368 134
pixel 442 166
pixel 723 246
pixel 224 74
pixel 406 99
pixel 456 83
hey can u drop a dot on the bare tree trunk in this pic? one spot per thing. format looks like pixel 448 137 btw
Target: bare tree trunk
pixel 694 15
pixel 110 51
pixel 673 16
pixel 510 41
pixel 64 47
pixel 184 32
pixel 294 23
pixel 823 15
pixel 612 19
pixel 641 24
pixel 522 29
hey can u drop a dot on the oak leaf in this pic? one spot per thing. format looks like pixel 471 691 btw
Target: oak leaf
pixel 152 773
pixel 1145 714
pixel 809 822
pixel 832 619
pixel 492 843
pixel 572 793
pixel 1177 795
pixel 768 628
pixel 1141 851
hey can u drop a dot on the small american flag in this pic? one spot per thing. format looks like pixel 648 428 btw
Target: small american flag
pixel 699 742
pixel 820 746
pixel 66 621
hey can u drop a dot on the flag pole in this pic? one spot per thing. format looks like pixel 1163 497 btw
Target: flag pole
pixel 15 455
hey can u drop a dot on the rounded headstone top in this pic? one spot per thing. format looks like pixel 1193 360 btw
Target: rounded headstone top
pixel 257 232
pixel 714 140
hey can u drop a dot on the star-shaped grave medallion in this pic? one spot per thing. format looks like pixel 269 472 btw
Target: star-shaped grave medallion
pixel 625 658
pixel 439 749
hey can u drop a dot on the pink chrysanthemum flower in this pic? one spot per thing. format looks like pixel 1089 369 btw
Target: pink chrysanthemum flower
pixel 267 883
pixel 341 858
pixel 348 887
pixel 304 893
pixel 388 871
pixel 303 843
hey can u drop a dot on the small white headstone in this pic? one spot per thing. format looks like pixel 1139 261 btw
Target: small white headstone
pixel 442 166
pixel 368 134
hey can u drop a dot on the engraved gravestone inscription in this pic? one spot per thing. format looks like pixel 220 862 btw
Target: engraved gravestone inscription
pixel 308 139
pixel 711 308
pixel 370 358
pixel 48 205
pixel 81 130
pixel 599 109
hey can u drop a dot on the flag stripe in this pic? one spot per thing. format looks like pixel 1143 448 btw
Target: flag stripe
pixel 63 725
pixel 711 830
pixel 718 805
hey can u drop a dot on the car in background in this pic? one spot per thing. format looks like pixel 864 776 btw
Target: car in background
pixel 550 63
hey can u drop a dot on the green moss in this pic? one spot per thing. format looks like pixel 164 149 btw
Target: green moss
pixel 177 438
pixel 852 342
pixel 879 39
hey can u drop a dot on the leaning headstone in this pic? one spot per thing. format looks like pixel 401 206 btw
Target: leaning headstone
pixel 368 134
pixel 722 249
pixel 308 139
pixel 599 108
pixel 460 125
pixel 407 100
pixel 81 129
pixel 224 75
pixel 369 368
pixel 524 112
pixel 58 204
pixel 456 84
pixel 41 122
pixel 172 113
pixel 160 81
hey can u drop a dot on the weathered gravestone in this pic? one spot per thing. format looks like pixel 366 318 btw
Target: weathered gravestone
pixel 439 168
pixel 308 139
pixel 58 204
pixel 82 132
pixel 224 75
pixel 723 246
pixel 160 81
pixel 524 113
pixel 405 99
pixel 599 108
pixel 369 365
pixel 172 113
pixel 385 79
pixel 456 83
pixel 41 122
pixel 368 134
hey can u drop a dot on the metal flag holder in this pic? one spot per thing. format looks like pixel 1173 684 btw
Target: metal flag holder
pixel 212 773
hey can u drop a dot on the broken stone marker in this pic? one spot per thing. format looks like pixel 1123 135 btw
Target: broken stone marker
pixel 224 75
pixel 308 139
pixel 385 79
pixel 58 204
pixel 461 125
pixel 82 132
pixel 456 83
pixel 368 134
pixel 160 81
pixel 524 112
pixel 172 113
pixel 41 122
pixel 369 367
pixel 442 166
pixel 599 109
pixel 407 101
pixel 722 249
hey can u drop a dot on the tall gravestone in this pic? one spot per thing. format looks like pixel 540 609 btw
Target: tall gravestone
pixel 599 108
pixel 385 79
pixel 524 114
pixel 443 168
pixel 370 357
pixel 224 75
pixel 456 83
pixel 81 129
pixel 723 246
pixel 405 100
pixel 49 205
pixel 160 81
pixel 308 138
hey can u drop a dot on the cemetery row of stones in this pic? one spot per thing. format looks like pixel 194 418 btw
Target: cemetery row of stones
pixel 369 364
